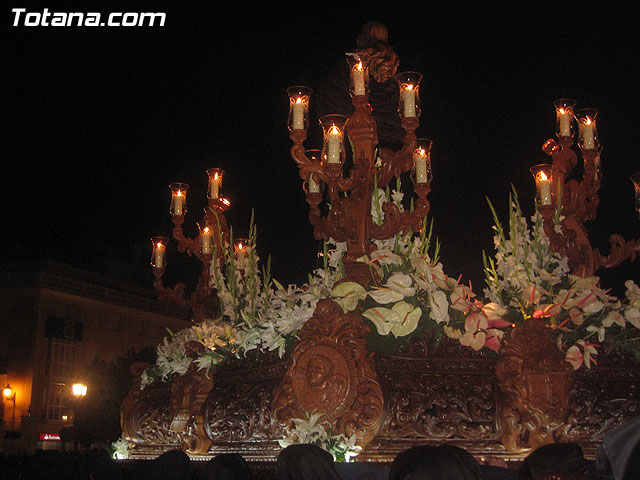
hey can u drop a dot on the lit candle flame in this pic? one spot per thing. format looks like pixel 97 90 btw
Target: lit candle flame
pixel 359 66
pixel 409 87
pixel 179 193
pixel 334 130
pixel 588 121
pixel 205 230
pixel 543 176
pixel 159 245
pixel 299 100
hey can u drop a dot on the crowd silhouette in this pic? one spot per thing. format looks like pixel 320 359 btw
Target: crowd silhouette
pixel 617 459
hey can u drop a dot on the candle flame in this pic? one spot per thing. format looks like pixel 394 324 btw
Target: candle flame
pixel 205 231
pixel 215 176
pixel 409 87
pixel 179 193
pixel 543 176
pixel 334 130
pixel 562 112
pixel 159 245
pixel 588 121
pixel 299 100
pixel 359 66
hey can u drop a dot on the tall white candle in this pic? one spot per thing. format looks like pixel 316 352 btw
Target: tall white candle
pixel 178 203
pixel 420 160
pixel 544 186
pixel 409 96
pixel 205 237
pixel 215 186
pixel 159 255
pixel 298 114
pixel 333 145
pixel 358 79
pixel 587 135
pixel 565 125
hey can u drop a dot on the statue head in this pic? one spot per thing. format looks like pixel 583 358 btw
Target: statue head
pixel 319 370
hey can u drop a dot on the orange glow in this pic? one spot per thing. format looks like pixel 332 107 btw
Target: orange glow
pixel 7 391
pixel 359 66
pixel 159 245
pixel 79 389
pixel 334 130
pixel 562 112
pixel 179 193
pixel 588 121
pixel 543 176
pixel 409 87
pixel 299 100
pixel 225 201
pixel 205 231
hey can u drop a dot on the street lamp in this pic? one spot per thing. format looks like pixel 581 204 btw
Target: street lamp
pixel 10 395
pixel 79 391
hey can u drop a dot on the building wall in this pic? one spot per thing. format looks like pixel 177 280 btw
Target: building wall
pixel 41 365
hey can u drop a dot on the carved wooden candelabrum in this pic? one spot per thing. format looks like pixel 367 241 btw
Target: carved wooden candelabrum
pixel 213 234
pixel 349 194
pixel 576 200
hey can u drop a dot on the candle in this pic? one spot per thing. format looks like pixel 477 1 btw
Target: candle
pixel 409 96
pixel 159 255
pixel 544 187
pixel 298 114
pixel 420 161
pixel 178 202
pixel 240 251
pixel 313 186
pixel 333 145
pixel 205 237
pixel 215 186
pixel 587 135
pixel 565 125
pixel 358 79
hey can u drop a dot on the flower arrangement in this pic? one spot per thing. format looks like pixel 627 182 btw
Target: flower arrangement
pixel 527 280
pixel 410 295
pixel 257 311
pixel 309 430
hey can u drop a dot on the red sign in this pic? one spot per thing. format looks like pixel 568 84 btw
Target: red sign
pixel 50 437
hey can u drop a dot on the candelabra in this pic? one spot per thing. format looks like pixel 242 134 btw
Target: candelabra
pixel 576 201
pixel 213 234
pixel 349 197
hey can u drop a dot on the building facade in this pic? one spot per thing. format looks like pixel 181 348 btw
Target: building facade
pixel 55 320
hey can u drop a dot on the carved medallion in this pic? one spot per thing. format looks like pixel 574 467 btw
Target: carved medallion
pixel 332 374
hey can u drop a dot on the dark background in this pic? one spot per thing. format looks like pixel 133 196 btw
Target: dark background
pixel 99 121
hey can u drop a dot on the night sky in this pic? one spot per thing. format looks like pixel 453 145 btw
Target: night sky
pixel 99 121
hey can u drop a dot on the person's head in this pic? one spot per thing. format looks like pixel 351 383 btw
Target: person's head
pixel 427 462
pixel 305 462
pixel 553 458
pixel 227 466
pixel 370 33
pixel 171 465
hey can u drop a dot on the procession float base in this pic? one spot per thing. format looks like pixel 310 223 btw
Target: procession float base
pixel 431 393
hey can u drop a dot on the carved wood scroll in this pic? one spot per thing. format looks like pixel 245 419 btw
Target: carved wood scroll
pixel 332 374
pixel 533 378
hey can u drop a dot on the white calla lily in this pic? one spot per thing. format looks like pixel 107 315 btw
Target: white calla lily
pixel 348 294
